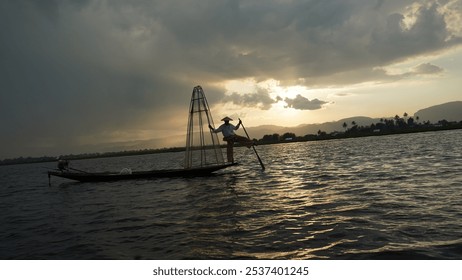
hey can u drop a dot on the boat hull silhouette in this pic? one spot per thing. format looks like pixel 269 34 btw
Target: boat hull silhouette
pixel 113 176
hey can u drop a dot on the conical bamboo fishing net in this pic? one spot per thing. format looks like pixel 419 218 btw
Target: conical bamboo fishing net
pixel 202 145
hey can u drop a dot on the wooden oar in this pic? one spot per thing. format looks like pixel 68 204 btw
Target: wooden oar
pixel 253 146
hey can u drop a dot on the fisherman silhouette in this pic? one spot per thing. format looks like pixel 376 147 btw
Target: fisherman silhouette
pixel 231 137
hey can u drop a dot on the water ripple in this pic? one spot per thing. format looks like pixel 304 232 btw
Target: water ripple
pixel 393 197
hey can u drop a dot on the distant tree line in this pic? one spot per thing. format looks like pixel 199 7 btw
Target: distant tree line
pixel 394 125
pixel 23 160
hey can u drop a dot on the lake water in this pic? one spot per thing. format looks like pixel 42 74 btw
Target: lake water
pixel 390 197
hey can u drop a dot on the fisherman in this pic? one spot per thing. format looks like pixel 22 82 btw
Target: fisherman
pixel 230 137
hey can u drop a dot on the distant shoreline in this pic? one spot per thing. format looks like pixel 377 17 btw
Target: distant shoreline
pixel 321 136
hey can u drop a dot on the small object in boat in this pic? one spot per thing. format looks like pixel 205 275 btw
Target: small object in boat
pixel 63 164
pixel 126 171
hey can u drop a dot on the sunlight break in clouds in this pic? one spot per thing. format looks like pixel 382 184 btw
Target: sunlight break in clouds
pixel 258 95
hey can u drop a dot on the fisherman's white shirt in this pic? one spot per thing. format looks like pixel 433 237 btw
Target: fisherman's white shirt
pixel 226 129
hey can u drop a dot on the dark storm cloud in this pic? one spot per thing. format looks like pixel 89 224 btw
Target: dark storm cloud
pixel 393 40
pixel 74 70
pixel 67 73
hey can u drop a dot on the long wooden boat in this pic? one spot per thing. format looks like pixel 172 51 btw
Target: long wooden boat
pixel 83 176
pixel 203 154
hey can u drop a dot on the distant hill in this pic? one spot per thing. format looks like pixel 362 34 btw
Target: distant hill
pixel 304 129
pixel 451 111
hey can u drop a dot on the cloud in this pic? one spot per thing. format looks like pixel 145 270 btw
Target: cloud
pixel 427 69
pixel 303 103
pixel 261 99
pixel 423 30
pixel 85 69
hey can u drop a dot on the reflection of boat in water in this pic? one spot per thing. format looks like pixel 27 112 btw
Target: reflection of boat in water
pixel 203 154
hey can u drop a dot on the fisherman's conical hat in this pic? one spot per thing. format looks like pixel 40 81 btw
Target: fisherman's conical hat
pixel 226 119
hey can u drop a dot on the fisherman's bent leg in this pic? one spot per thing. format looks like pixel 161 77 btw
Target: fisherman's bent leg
pixel 243 140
